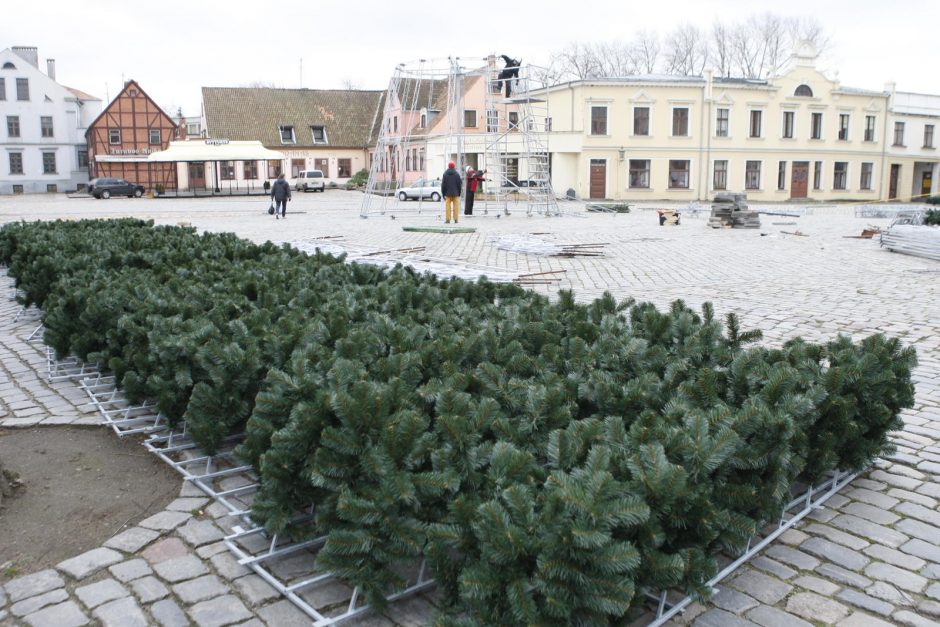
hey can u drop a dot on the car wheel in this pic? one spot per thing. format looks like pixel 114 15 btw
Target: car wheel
pixel 402 196
pixel 435 196
pixel 138 193
pixel 106 194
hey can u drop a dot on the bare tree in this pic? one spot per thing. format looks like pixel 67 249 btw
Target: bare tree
pixel 722 48
pixel 645 52
pixel 350 84
pixel 686 51
pixel 577 61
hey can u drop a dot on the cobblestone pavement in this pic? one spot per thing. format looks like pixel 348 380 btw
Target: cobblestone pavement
pixel 870 556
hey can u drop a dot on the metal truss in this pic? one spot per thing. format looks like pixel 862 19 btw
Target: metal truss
pixel 27 314
pixel 70 368
pixel 124 417
pixel 36 335
pixel 671 603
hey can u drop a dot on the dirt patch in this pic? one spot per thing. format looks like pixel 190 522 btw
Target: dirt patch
pixel 81 486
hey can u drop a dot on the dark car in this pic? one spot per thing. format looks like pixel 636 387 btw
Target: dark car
pixel 105 187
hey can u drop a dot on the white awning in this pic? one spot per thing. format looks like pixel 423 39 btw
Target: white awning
pixel 121 158
pixel 215 150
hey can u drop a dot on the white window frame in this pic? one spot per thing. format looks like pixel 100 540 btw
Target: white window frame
pixel 862 183
pixel 313 135
pixel 726 172
pixel 606 109
pixel 760 168
pixel 111 136
pixel 750 123
pixel 783 132
pixel 688 124
pixel 688 174
pixel 845 176
pixel 159 138
pixel 280 131
pixel 649 170
pixel 847 119
pixel 649 120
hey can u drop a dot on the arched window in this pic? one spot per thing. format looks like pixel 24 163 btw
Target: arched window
pixel 9 66
pixel 803 90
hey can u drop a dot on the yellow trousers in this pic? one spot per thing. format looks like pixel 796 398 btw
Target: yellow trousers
pixel 451 204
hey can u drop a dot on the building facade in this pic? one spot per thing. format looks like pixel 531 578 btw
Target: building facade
pixel 130 128
pixel 912 165
pixel 44 147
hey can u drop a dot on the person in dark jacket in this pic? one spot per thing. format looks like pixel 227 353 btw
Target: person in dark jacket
pixel 451 187
pixel 280 194
pixel 473 182
pixel 509 72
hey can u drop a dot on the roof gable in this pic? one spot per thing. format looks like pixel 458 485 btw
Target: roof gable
pixel 129 85
pixel 41 86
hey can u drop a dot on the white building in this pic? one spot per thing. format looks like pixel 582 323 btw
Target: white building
pixel 913 162
pixel 43 142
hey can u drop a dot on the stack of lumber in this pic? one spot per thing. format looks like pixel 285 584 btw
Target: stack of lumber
pixel 729 211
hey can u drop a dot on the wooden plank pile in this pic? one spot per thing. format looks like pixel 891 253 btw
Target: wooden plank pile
pixel 729 211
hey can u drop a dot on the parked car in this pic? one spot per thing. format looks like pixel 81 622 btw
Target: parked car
pixel 310 180
pixel 422 188
pixel 106 187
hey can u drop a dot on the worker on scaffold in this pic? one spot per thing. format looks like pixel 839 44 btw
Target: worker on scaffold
pixel 509 73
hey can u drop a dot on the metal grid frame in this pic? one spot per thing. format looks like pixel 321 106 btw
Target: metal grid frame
pixel 68 369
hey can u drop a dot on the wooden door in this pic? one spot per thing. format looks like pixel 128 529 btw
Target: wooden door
pixel 323 165
pixel 197 175
pixel 598 178
pixel 799 179
pixel 893 181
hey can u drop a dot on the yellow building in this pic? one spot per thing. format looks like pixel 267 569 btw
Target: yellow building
pixel 798 135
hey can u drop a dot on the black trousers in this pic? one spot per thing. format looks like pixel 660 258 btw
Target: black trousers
pixel 468 207
pixel 280 207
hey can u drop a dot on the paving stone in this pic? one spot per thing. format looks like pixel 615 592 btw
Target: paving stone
pixel 795 558
pixel 872 513
pixel 189 489
pixel 793 537
pixel 767 616
pixel 90 562
pixel 132 540
pixel 862 620
pixel 929 607
pixel 837 536
pixel 121 613
pixel 227 566
pixel 219 611
pixel 895 480
pixel 815 584
pixel 3 596
pixel 732 601
pixel 886 592
pixel 895 557
pixel 816 608
pixel 254 622
pixel 166 549
pixel 933 591
pixel 868 484
pixel 62 615
pixel 149 589
pixel 836 553
pixel 200 589
pixel 929 489
pixel 36 603
pixel 822 514
pixel 925 514
pixel 721 618
pixel 103 591
pixel 762 587
pixel 859 599
pixel 283 614
pixel 931 571
pixel 180 568
pixel 165 520
pixel 256 590
pixel 199 532
pixel 915 497
pixel 209 550
pixel 187 504
pixel 130 570
pixel 31 585
pixel 168 614
pixel 906 617
pixel 869 530
pixel 901 578
pixel 773 567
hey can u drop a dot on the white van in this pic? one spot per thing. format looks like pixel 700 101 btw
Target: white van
pixel 310 181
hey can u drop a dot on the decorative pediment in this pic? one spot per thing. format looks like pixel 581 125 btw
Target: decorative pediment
pixel 724 98
pixel 642 98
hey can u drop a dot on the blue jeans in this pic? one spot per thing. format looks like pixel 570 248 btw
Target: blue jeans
pixel 280 207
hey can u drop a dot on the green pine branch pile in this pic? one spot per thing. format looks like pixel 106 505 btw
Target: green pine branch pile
pixel 549 459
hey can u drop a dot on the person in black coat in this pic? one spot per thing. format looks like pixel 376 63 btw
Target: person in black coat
pixel 280 194
pixel 451 187
pixel 509 72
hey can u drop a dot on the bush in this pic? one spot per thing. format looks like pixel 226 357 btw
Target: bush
pixel 358 180
pixel 933 200
pixel 932 216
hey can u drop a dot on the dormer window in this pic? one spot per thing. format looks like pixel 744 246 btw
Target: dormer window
pixel 803 90
pixel 287 134
pixel 319 134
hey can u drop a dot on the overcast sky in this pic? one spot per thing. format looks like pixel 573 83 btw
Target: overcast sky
pixel 173 48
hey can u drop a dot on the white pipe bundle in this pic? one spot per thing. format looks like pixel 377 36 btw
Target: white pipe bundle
pixel 921 241
pixel 528 245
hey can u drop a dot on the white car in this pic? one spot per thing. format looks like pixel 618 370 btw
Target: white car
pixel 422 188
pixel 310 181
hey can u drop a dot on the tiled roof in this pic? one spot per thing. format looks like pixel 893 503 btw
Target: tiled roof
pixel 256 113
pixel 431 93
pixel 78 93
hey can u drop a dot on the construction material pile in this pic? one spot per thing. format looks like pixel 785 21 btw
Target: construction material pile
pixel 729 211
pixel 911 239
pixel 528 245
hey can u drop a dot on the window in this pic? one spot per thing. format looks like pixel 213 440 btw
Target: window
pixel 344 168
pixel 13 126
pixel 839 174
pixel 421 160
pixel 250 170
pixel 816 131
pixel 274 169
pixel 899 133
pixel 424 121
pixel 781 175
pixel 9 66
pixel 323 165
pixel 721 123
pixel 752 175
pixel 513 119
pixel 3 89
pixel 16 163
pixel 227 170
pixel 52 188
pixel 640 173
pixel 788 118
pixel 318 133
pixel 680 122
pixel 641 121
pixel 22 89
pixel 192 130
pixel 287 134
pixel 395 124
pixel 844 126
pixel 155 137
pixel 803 90
pixel 755 123
pixel 297 166
pixel 869 128
pixel 48 163
pixel 470 118
pixel 720 179
pixel 82 158
pixel 492 121
pixel 817 175
pixel 17 189
pixel 679 175
pixel 865 180
pixel 548 125
pixel 408 161
pixel 598 120
pixel 928 135
pixel 114 136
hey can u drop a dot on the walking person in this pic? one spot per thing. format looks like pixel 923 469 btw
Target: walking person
pixel 451 187
pixel 474 179
pixel 280 194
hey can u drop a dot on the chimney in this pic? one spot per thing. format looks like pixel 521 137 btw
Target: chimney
pixel 890 87
pixel 30 53
pixel 50 68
